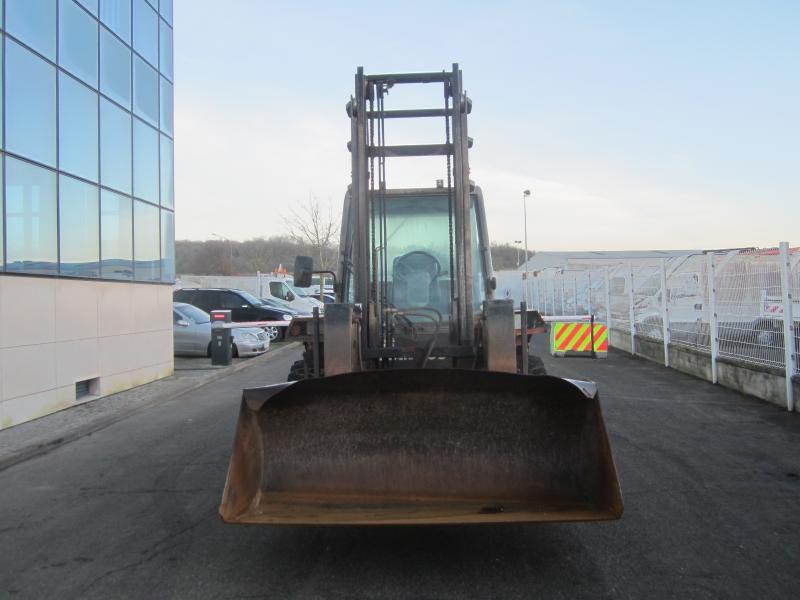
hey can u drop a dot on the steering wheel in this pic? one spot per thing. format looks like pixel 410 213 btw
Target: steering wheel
pixel 415 261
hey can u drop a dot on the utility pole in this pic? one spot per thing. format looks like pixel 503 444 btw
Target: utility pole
pixel 525 195
pixel 517 244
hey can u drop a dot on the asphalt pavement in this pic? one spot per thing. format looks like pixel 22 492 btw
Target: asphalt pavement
pixel 709 477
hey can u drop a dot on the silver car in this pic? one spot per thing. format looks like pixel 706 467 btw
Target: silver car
pixel 191 333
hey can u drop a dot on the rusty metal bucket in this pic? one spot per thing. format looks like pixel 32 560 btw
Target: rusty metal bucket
pixel 421 447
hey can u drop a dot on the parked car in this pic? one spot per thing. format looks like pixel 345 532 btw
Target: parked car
pixel 278 304
pixel 244 307
pixel 279 288
pixel 191 334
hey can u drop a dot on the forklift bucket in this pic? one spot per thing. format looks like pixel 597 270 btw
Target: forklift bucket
pixel 421 447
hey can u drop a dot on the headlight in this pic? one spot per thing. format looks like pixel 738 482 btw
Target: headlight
pixel 287 317
pixel 250 337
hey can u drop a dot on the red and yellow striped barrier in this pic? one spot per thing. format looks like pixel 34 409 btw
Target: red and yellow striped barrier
pixel 576 339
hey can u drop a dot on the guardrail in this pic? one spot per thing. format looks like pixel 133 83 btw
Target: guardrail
pixel 740 306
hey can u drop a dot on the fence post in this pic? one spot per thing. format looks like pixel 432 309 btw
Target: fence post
pixel 712 314
pixel 631 311
pixel 574 293
pixel 790 357
pixel 258 284
pixel 589 291
pixel 563 303
pixel 664 311
pixel 553 295
pixel 608 304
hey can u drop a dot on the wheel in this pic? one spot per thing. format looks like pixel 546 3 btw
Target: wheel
pixel 234 351
pixel 273 333
pixel 297 371
pixel 535 364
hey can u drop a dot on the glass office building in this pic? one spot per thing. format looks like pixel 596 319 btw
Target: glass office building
pixel 88 139
pixel 86 144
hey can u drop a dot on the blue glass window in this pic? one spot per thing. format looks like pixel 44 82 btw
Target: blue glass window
pixel 91 5
pixel 115 147
pixel 2 215
pixel 77 42
pixel 116 15
pixel 167 124
pixel 166 10
pixel 167 246
pixel 2 96
pixel 116 230
pixel 146 244
pixel 30 105
pixel 30 218
pixel 145 31
pixel 145 162
pixel 79 228
pixel 145 91
pixel 33 22
pixel 77 134
pixel 115 69
pixel 167 173
pixel 165 59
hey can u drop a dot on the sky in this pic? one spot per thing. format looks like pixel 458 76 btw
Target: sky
pixel 635 124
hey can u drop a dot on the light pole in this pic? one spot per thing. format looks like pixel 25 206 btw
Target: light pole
pixel 525 195
pixel 517 243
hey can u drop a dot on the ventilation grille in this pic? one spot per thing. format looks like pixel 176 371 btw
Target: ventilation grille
pixel 82 389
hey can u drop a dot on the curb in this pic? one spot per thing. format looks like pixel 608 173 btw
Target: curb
pixel 44 447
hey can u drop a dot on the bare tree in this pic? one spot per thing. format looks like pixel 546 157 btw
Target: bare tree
pixel 314 225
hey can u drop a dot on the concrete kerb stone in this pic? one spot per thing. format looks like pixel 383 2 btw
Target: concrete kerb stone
pixel 13 451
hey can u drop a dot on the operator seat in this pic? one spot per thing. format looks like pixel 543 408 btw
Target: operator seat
pixel 414 276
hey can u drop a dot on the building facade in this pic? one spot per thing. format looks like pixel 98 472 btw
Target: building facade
pixel 87 252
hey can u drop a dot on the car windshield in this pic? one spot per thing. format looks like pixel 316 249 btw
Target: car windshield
pixel 294 290
pixel 250 298
pixel 193 313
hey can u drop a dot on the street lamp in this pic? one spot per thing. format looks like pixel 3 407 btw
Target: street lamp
pixel 525 195
pixel 517 243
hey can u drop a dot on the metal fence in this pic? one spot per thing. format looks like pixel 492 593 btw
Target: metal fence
pixel 742 306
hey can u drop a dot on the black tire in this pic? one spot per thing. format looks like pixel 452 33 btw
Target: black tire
pixel 234 351
pixel 535 364
pixel 297 371
pixel 281 334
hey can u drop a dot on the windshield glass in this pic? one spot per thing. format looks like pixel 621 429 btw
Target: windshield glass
pixel 193 313
pixel 418 253
pixel 294 290
pixel 250 298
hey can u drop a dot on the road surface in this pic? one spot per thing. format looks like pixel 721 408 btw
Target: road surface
pixel 709 477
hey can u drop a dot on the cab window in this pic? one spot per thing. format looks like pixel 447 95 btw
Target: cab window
pixel 278 289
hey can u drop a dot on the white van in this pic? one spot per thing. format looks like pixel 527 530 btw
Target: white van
pixel 280 289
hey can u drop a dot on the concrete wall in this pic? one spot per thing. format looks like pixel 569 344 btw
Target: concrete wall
pixel 56 332
pixel 762 382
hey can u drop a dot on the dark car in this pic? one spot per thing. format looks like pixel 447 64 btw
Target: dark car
pixel 244 307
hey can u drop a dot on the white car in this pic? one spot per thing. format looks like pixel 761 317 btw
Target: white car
pixel 191 334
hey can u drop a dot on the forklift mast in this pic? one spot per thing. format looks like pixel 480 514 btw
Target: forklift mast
pixel 366 273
